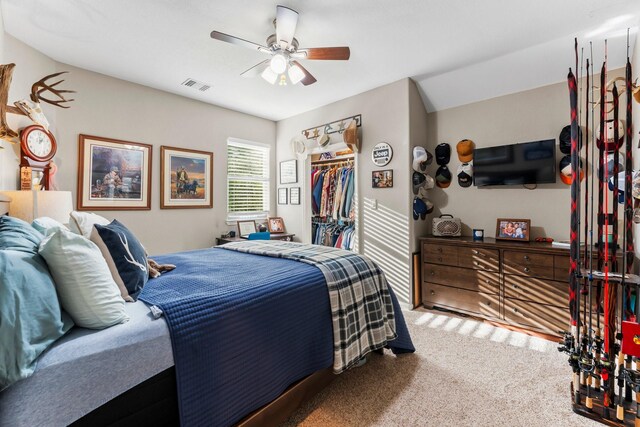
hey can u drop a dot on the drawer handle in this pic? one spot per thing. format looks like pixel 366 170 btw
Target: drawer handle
pixel 526 258
pixel 475 252
pixel 516 287
pixel 433 292
pixel 487 303
pixel 488 281
pixel 440 250
pixel 440 258
pixel 515 310
pixel 433 273
pixel 527 269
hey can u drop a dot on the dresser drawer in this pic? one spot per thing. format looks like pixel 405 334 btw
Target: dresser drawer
pixel 459 299
pixel 440 254
pixel 466 278
pixel 547 318
pixel 528 264
pixel 536 290
pixel 479 259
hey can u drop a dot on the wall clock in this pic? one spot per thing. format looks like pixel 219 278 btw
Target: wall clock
pixel 37 147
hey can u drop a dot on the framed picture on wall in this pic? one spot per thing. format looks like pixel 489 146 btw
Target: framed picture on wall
pixel 289 172
pixel 294 195
pixel 282 196
pixel 513 229
pixel 113 174
pixel 186 178
pixel 382 179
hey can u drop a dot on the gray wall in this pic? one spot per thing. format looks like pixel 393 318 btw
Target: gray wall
pixel 384 233
pixel 526 116
pixel 117 109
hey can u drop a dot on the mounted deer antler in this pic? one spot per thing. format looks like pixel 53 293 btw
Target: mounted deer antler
pixel 39 87
pixel 23 107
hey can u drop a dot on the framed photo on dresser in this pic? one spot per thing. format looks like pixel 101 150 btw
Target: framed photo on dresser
pixel 513 229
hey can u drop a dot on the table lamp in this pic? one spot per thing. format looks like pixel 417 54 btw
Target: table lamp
pixel 31 204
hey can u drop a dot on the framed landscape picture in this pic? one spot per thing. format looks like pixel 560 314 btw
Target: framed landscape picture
pixel 186 178
pixel 113 174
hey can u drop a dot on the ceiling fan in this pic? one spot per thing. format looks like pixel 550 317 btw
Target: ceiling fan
pixel 284 51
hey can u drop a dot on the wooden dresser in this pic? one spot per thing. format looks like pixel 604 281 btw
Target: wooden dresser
pixel 523 284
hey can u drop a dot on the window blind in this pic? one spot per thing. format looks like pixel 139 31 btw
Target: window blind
pixel 247 181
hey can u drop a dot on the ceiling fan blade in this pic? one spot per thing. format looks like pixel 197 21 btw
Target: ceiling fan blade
pixel 330 53
pixel 286 22
pixel 257 69
pixel 239 42
pixel 308 78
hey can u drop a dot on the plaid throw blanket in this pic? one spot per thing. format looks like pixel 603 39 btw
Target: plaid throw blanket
pixel 361 305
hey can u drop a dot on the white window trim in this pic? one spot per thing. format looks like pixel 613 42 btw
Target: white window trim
pixel 233 217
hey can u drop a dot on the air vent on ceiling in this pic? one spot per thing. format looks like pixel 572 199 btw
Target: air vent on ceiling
pixel 202 87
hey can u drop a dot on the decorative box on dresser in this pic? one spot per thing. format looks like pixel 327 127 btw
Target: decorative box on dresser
pixel 518 283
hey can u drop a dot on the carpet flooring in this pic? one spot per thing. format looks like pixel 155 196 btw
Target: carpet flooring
pixel 464 373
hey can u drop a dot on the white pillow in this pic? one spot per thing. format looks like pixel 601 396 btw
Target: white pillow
pixel 85 287
pixel 46 225
pixel 82 222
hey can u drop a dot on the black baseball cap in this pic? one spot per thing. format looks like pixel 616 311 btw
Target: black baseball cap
pixel 443 177
pixel 465 175
pixel 565 139
pixel 443 154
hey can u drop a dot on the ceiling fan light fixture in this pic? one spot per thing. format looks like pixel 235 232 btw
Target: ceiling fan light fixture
pixel 278 63
pixel 295 74
pixel 269 75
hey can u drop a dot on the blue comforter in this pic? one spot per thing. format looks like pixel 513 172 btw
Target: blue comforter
pixel 243 328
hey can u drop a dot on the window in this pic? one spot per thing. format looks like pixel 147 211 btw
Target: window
pixel 247 180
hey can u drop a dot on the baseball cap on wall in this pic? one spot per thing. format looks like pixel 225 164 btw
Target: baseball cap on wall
pixel 564 140
pixel 465 150
pixel 621 186
pixel 421 159
pixel 443 177
pixel 465 175
pixel 566 170
pixel 443 154
pixel 421 208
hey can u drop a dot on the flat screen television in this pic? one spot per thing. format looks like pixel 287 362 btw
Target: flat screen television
pixel 516 164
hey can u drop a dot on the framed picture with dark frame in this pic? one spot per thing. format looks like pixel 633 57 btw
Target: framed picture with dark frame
pixel 382 179
pixel 275 224
pixel 289 172
pixel 246 227
pixel 113 174
pixel 186 178
pixel 282 196
pixel 513 229
pixel 294 195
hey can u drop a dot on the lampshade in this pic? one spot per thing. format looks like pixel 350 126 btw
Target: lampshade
pixel 4 204
pixel 31 204
pixel 295 74
pixel 269 75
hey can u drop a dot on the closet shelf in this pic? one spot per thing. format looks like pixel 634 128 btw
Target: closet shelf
pixel 337 159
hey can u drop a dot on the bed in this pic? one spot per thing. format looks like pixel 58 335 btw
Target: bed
pixel 236 336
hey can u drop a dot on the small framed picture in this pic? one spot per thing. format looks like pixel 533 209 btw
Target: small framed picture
pixel 275 224
pixel 513 229
pixel 282 196
pixel 382 179
pixel 294 195
pixel 289 172
pixel 246 227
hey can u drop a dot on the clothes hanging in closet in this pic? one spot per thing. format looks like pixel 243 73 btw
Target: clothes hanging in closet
pixel 332 234
pixel 332 193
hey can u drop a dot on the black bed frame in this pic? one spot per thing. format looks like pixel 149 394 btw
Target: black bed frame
pixel 154 402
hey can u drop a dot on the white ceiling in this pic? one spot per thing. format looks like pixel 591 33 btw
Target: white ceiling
pixel 458 51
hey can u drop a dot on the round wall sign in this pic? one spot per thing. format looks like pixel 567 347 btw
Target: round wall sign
pixel 382 154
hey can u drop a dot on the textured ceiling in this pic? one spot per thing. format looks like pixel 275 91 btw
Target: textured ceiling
pixel 458 51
